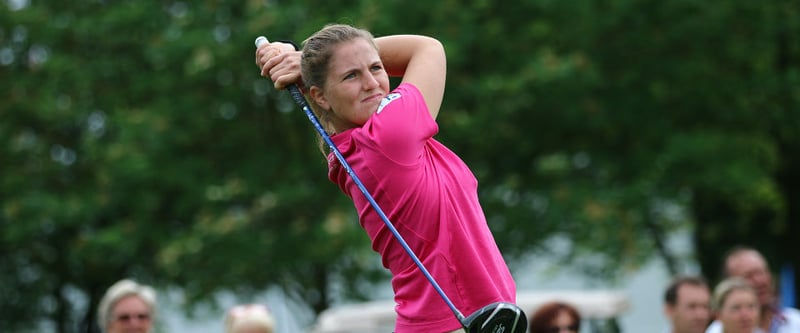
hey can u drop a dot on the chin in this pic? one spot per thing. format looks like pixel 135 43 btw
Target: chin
pixel 747 327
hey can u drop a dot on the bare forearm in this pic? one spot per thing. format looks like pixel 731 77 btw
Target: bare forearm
pixel 397 51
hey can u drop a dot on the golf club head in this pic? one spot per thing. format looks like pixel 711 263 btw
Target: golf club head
pixel 497 317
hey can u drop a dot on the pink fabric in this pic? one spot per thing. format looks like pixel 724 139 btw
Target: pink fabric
pixel 431 197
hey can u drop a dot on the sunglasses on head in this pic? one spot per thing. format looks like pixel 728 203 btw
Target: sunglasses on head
pixel 128 317
pixel 559 329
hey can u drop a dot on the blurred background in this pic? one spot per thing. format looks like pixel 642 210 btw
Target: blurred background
pixel 617 143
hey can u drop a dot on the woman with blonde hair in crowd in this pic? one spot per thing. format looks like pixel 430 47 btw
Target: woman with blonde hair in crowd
pixel 736 306
pixel 249 318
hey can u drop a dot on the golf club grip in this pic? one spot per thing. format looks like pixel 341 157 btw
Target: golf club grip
pixel 297 95
pixel 261 40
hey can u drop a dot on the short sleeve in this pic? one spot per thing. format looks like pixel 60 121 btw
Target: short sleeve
pixel 401 125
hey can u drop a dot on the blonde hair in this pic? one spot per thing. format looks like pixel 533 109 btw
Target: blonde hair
pixel 249 316
pixel 120 290
pixel 317 53
pixel 725 288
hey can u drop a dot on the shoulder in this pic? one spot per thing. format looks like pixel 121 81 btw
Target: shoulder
pixel 403 96
pixel 792 314
pixel 405 89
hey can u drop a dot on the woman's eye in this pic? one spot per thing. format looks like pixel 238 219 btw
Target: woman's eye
pixel 377 68
pixel 349 76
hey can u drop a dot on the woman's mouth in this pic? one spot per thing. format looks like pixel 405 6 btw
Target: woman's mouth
pixel 372 98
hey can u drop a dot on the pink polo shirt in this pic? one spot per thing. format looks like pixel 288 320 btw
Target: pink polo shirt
pixel 431 197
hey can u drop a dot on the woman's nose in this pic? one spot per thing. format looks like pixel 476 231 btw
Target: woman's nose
pixel 370 81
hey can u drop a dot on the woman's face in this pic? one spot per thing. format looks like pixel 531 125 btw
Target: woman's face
pixel 563 323
pixel 130 315
pixel 739 312
pixel 355 85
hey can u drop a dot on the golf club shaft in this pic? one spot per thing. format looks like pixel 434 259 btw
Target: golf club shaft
pixel 297 95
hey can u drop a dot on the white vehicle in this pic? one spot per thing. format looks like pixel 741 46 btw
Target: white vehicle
pixel 599 310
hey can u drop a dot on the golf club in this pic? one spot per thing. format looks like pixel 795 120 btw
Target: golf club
pixel 499 317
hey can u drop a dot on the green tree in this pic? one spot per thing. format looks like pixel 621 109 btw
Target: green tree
pixel 140 141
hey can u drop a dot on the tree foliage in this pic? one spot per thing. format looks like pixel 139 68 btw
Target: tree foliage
pixel 139 140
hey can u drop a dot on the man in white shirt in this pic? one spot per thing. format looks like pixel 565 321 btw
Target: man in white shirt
pixel 749 264
pixel 686 304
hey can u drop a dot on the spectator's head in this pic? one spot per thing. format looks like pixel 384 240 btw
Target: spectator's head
pixel 736 305
pixel 750 265
pixel 127 307
pixel 555 317
pixel 687 304
pixel 249 318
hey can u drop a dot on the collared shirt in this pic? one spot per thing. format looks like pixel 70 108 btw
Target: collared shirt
pixel 431 197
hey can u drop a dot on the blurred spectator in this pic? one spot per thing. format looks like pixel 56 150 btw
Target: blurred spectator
pixel 555 317
pixel 686 304
pixel 127 307
pixel 249 318
pixel 749 264
pixel 736 306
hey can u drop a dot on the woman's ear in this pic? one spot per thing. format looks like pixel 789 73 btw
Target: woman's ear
pixel 318 97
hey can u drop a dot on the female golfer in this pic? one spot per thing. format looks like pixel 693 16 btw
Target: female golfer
pixel 387 137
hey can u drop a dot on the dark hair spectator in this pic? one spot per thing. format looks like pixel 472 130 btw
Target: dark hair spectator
pixel 555 317
pixel 687 304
